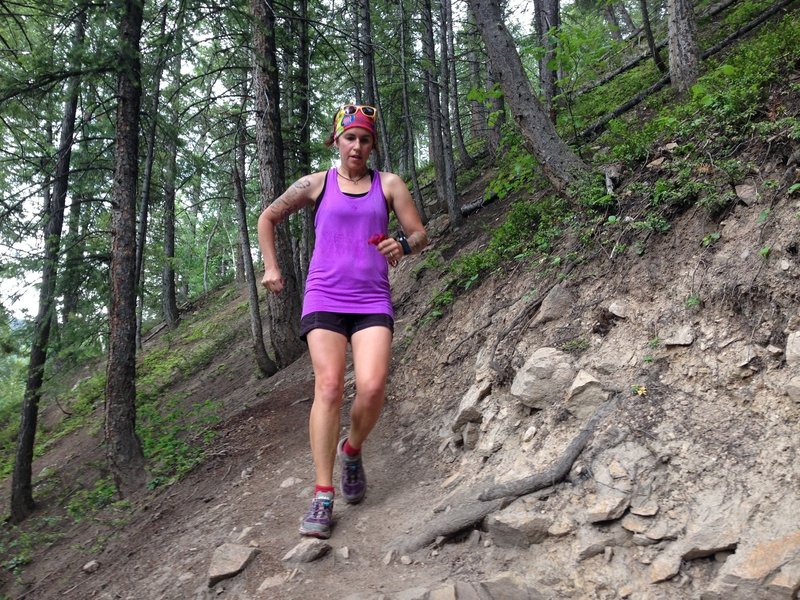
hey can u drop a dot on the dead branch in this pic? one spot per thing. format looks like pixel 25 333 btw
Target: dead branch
pixel 492 497
pixel 474 207
pixel 713 11
pixel 596 127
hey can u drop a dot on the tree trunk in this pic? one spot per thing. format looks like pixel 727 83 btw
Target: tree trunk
pixel 412 164
pixel 123 448
pixel 447 23
pixel 548 20
pixel 70 279
pixel 306 216
pixel 456 218
pixel 651 42
pixel 441 149
pixel 144 203
pixel 626 17
pixel 684 54
pixel 613 22
pixel 284 323
pixel 499 113
pixel 207 257
pixel 370 84
pixel 169 301
pixel 22 503
pixel 560 164
pixel 264 363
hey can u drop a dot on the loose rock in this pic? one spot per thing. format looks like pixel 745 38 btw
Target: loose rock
pixel 229 560
pixel 308 550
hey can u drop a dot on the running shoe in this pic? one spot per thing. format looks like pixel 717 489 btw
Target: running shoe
pixel 354 480
pixel 319 518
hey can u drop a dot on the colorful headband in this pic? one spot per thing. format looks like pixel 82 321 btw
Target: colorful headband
pixel 354 115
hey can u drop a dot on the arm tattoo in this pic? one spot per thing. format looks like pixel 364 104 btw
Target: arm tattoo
pixel 302 183
pixel 288 202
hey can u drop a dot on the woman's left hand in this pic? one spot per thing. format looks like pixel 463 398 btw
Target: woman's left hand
pixel 392 250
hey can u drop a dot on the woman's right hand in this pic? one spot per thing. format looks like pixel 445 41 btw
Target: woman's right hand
pixel 273 280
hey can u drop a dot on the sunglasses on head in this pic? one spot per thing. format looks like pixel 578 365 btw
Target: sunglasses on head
pixel 367 111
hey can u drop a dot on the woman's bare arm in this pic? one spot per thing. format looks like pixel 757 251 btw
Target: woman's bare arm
pixel 301 193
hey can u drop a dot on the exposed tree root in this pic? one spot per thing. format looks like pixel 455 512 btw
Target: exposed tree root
pixel 467 511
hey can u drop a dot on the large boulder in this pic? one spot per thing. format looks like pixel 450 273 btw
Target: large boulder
pixel 544 378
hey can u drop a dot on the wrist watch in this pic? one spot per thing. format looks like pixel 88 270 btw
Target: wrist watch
pixel 401 237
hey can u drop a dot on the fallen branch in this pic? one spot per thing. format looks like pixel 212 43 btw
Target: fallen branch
pixel 474 207
pixel 596 127
pixel 492 497
pixel 715 10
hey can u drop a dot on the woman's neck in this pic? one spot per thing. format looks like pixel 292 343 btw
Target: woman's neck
pixel 352 177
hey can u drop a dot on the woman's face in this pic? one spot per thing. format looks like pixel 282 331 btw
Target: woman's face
pixel 354 146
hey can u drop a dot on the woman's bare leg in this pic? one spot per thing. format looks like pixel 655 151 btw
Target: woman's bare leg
pixel 372 350
pixel 328 351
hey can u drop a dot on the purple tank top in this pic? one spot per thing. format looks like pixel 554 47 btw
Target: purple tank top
pixel 347 274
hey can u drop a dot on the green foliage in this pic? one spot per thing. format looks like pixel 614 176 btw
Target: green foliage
pixel 18 544
pixel 517 169
pixel 653 222
pixel 724 101
pixel 86 502
pixel 529 227
pixel 692 301
pixel 764 252
pixel 432 261
pixel 576 345
pixel 173 439
pixel 654 342
pixel 710 239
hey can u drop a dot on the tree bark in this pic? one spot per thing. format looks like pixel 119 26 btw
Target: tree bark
pixel 370 84
pixel 451 194
pixel 684 55
pixel 651 42
pixel 548 20
pixel 464 157
pixel 560 164
pixel 169 300
pixel 284 323
pixel 412 162
pixel 626 17
pixel 123 448
pixel 264 363
pixel 306 216
pixel 438 144
pixel 613 23
pixel 22 503
pixel 144 202
pixel 497 116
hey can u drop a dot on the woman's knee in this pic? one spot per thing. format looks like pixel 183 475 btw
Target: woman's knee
pixel 329 391
pixel 371 391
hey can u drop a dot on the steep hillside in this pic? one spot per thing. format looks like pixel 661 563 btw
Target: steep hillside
pixel 662 332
